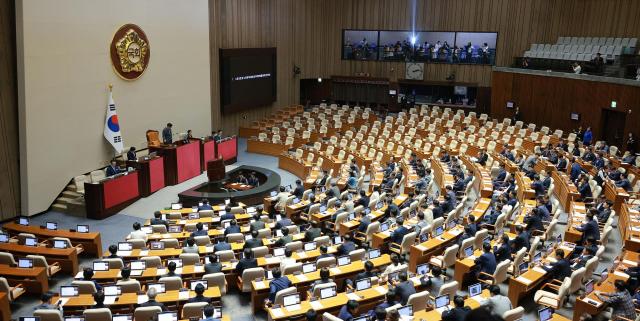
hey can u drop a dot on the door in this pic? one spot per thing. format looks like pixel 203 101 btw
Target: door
pixel 612 130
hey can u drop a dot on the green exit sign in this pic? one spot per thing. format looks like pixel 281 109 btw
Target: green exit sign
pixel 614 104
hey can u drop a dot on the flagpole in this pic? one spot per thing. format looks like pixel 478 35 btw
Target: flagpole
pixel 110 87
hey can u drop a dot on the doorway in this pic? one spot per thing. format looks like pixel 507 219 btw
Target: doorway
pixel 612 129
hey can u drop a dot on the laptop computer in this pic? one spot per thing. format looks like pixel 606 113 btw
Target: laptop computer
pixel 25 263
pixel 384 227
pixel 74 319
pixel 468 251
pixel 29 319
pixel 178 262
pixel 328 292
pixel 545 314
pixel 168 316
pixel 125 246
pixel 194 283
pixel 374 253
pixel 475 289
pixel 160 288
pixel 363 284
pixel 406 310
pixel 112 290
pixel 30 241
pixel 23 221
pixel 291 302
pixel 52 226
pixel 309 246
pixel 4 238
pixel 309 267
pixel 138 265
pixel 442 301
pixel 422 269
pixel 67 291
pixel 337 240
pixel 101 266
pixel 122 317
pixel 588 288
pixel 59 244
pixel 176 206
pixel 278 251
pixel 344 260
pixel 523 267
pixel 439 230
pixel 156 245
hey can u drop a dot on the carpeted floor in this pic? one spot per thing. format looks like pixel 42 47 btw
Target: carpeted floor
pixel 115 229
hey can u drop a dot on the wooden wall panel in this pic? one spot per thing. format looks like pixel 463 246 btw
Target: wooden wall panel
pixel 9 153
pixel 549 101
pixel 308 33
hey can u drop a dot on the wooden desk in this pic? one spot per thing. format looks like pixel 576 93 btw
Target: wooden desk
pixel 90 241
pixel 591 304
pixel 260 290
pixel 433 314
pixel 615 194
pixel 5 307
pixel 111 195
pixel 577 216
pixel 531 280
pixel 84 301
pixel 525 192
pixel 187 272
pixel 291 165
pixel 67 258
pixel 565 190
pixel 631 235
pixel 266 147
pixel 35 279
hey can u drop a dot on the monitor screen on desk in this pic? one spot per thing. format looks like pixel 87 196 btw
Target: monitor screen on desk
pixel 291 299
pixel 73 318
pixel 278 251
pixel 23 221
pixel 178 262
pixel 175 228
pixel 168 316
pixel 101 266
pixel 442 301
pixel 588 288
pixel 138 265
pixel 158 286
pixel 337 240
pixel 309 267
pixel 4 238
pixel 125 246
pixel 363 284
pixel 424 237
pixel 112 290
pixel 439 230
pixel 328 292
pixel 122 317
pixel 537 257
pixel 82 228
pixel 156 245
pixel 384 227
pixel 68 291
pixel 52 226
pixel 475 289
pixel 59 244
pixel 545 314
pixel 422 269
pixel 195 283
pixel 176 206
pixel 194 216
pixel 30 241
pixel 29 319
pixel 344 260
pixel 523 267
pixel 374 254
pixel 147 229
pixel 406 310
pixel 309 246
pixel 273 193
pixel 362 318
pixel 25 263
pixel 468 251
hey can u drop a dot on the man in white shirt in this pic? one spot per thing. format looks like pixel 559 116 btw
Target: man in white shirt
pixel 281 199
pixel 287 260
pixel 137 233
pixel 498 303
pixel 577 68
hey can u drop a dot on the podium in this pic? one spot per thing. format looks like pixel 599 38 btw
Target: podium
pixel 215 170
pixel 111 195
pixel 150 174
pixel 181 162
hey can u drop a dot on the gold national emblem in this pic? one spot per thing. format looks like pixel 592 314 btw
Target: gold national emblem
pixel 130 52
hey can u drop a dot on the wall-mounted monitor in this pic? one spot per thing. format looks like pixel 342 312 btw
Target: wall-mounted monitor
pixel 360 44
pixel 247 78
pixel 575 116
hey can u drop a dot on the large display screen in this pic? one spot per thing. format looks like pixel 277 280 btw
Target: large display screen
pixel 247 78
pixel 422 46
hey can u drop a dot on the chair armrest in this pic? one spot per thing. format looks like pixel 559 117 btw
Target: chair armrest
pixel 553 287
pixel 486 274
pixel 394 245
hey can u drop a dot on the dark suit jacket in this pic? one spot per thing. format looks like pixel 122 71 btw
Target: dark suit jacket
pixel 404 290
pixel 298 191
pixel 245 264
pixel 519 242
pixel 212 268
pixel 456 314
pixel 232 229
pixel 486 263
pixel 196 299
pixel 398 234
pixel 502 253
pixel 312 233
pixel 590 230
pixel 252 243
pixel 154 303
pixel 559 270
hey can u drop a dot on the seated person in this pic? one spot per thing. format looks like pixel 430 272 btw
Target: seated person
pixel 288 260
pixel 213 265
pixel 285 238
pixel 200 231
pixel 404 288
pixel 486 263
pixel 559 269
pixel 400 232
pixel 278 283
pixel 232 228
pixel 171 269
pixel 208 311
pixel 257 223
pixel 45 304
pixel 246 262
pixel 227 214
pixel 205 206
pixel 191 246
pixel 137 233
pixel 299 190
pixel 222 245
pixel 98 297
pixel 199 290
pixel 87 275
pixel 324 252
pixel 347 245
pixel 151 294
pixel 581 261
pixel 458 313
pixel 501 250
pixel 620 300
pixel 157 219
pixel 254 241
pixel 113 169
pixel 498 303
pixel 325 277
pixel 312 232
pixel 113 251
pixel 284 221
pixel 396 265
pixel 349 310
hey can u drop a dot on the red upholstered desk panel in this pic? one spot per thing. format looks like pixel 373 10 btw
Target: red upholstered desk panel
pixel 228 149
pixel 209 151
pixel 188 161
pixel 156 174
pixel 120 190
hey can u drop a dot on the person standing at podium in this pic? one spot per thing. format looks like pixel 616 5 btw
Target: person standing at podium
pixel 131 154
pixel 113 169
pixel 167 135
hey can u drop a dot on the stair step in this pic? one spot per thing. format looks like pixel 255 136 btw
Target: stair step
pixel 71 194
pixel 59 207
pixel 71 187
pixel 78 202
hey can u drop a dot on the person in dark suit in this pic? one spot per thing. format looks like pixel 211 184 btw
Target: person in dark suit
pixel 227 214
pixel 581 261
pixel 458 313
pixel 167 135
pixel 278 283
pixel 533 221
pixel 590 229
pixel 113 169
pixel 246 262
pixel 213 266
pixel 257 223
pixel 604 212
pixel 363 200
pixel 222 245
pixel 437 210
pixel 482 158
pixel 254 241
pixel 349 310
pixel 584 188
pixel 131 154
pixel 199 230
pixel 283 222
pixel 368 272
pixel 87 275
pixel 404 288
pixel 559 269
pixel 537 185
pixel 502 251
pixel 324 252
pixel 299 190
pixel 233 228
pixel 157 219
pixel 312 232
pixel 285 238
pixel 471 222
pixel 487 261
pixel 459 185
pixel 520 241
pixel 502 175
pixel 205 206
pixel 347 245
pixel 365 220
pixel 576 169
pixel 400 232
pixel 624 182
pixel 151 293
pixel 199 290
pixel 562 163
